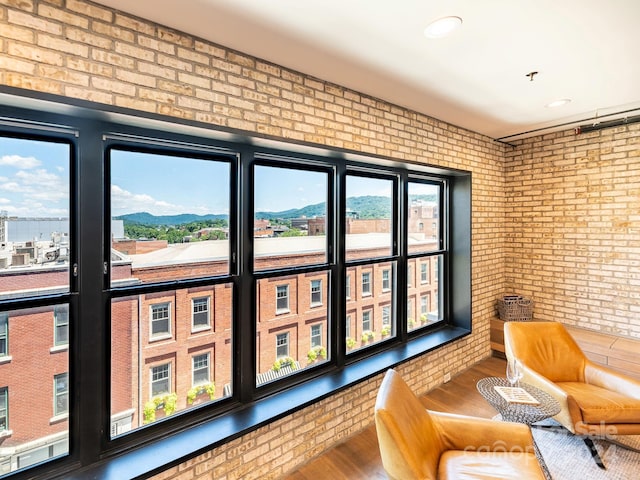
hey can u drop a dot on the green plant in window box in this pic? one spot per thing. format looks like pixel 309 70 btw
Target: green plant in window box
pixel 166 402
pixel 367 336
pixel 315 352
pixel 411 322
pixel 423 318
pixel 208 388
pixel 351 342
pixel 283 362
pixel 386 331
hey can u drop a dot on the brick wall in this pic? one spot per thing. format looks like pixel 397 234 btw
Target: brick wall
pixel 573 227
pixel 84 51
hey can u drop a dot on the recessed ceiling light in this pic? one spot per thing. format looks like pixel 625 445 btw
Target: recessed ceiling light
pixel 442 27
pixel 558 103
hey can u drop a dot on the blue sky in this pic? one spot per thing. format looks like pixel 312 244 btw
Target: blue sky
pixel 34 182
pixel 34 178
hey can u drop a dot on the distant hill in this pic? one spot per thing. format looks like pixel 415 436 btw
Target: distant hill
pixel 368 206
pixel 144 218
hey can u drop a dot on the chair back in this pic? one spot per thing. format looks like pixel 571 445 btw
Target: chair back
pixel 410 445
pixel 547 348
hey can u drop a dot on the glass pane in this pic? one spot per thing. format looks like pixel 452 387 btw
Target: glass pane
pixel 154 375
pixel 424 217
pixel 294 338
pixel 34 217
pixel 170 217
pixel 370 312
pixel 290 217
pixel 33 367
pixel 368 219
pixel 424 302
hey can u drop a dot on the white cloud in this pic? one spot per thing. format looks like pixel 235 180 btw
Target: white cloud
pixel 19 162
pixel 123 201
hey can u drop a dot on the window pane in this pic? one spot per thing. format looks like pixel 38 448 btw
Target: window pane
pixel 290 217
pixel 34 217
pixel 160 364
pixel 424 299
pixel 424 217
pixel 170 217
pixel 368 222
pixel 370 313
pixel 33 369
pixel 293 339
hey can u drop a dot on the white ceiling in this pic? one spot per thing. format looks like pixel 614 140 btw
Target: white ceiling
pixel 584 50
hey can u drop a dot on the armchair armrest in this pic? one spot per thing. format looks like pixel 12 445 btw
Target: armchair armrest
pixel 534 378
pixel 459 432
pixel 611 380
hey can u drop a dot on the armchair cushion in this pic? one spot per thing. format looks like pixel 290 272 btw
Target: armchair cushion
pixel 460 465
pixel 598 404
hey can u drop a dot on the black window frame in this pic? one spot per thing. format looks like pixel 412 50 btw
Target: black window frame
pixel 76 123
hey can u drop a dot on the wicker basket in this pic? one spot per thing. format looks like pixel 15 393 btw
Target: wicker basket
pixel 515 308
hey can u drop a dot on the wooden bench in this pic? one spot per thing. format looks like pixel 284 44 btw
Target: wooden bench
pixel 619 353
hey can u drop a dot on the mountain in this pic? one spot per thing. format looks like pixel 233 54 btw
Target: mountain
pixel 368 206
pixel 144 218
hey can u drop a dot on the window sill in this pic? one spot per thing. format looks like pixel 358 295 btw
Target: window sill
pixel 5 359
pixel 153 458
pixel 159 338
pixel 59 418
pixel 59 348
pixel 6 433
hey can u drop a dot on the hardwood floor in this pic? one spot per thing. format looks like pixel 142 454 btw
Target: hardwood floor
pixel 358 458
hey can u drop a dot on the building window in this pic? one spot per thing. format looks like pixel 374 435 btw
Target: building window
pixel 201 369
pixel 347 327
pixel 160 380
pixel 282 345
pixel 61 322
pixel 424 273
pixel 386 280
pixel 409 275
pixel 282 299
pixel 316 336
pixel 366 321
pixel 366 283
pixel 160 320
pixel 424 304
pixel 61 391
pixel 4 409
pixel 316 292
pixel 4 334
pixel 200 313
pixel 386 316
pixel 347 287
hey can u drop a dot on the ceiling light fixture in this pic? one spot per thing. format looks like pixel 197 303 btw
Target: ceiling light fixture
pixel 442 27
pixel 558 103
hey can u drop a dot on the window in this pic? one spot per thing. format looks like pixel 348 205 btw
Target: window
pixel 316 336
pixel 61 391
pixel 282 345
pixel 4 409
pixel 366 321
pixel 424 304
pixel 160 380
pixel 282 298
pixel 316 292
pixel 386 280
pixel 366 283
pixel 145 281
pixel 200 313
pixel 160 321
pixel 4 334
pixel 201 369
pixel 61 321
pixel 386 316
pixel 424 273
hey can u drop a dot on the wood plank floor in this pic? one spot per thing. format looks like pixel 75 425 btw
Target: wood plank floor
pixel 358 458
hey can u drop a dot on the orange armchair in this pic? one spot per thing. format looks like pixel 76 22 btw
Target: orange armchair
pixel 594 400
pixel 418 444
